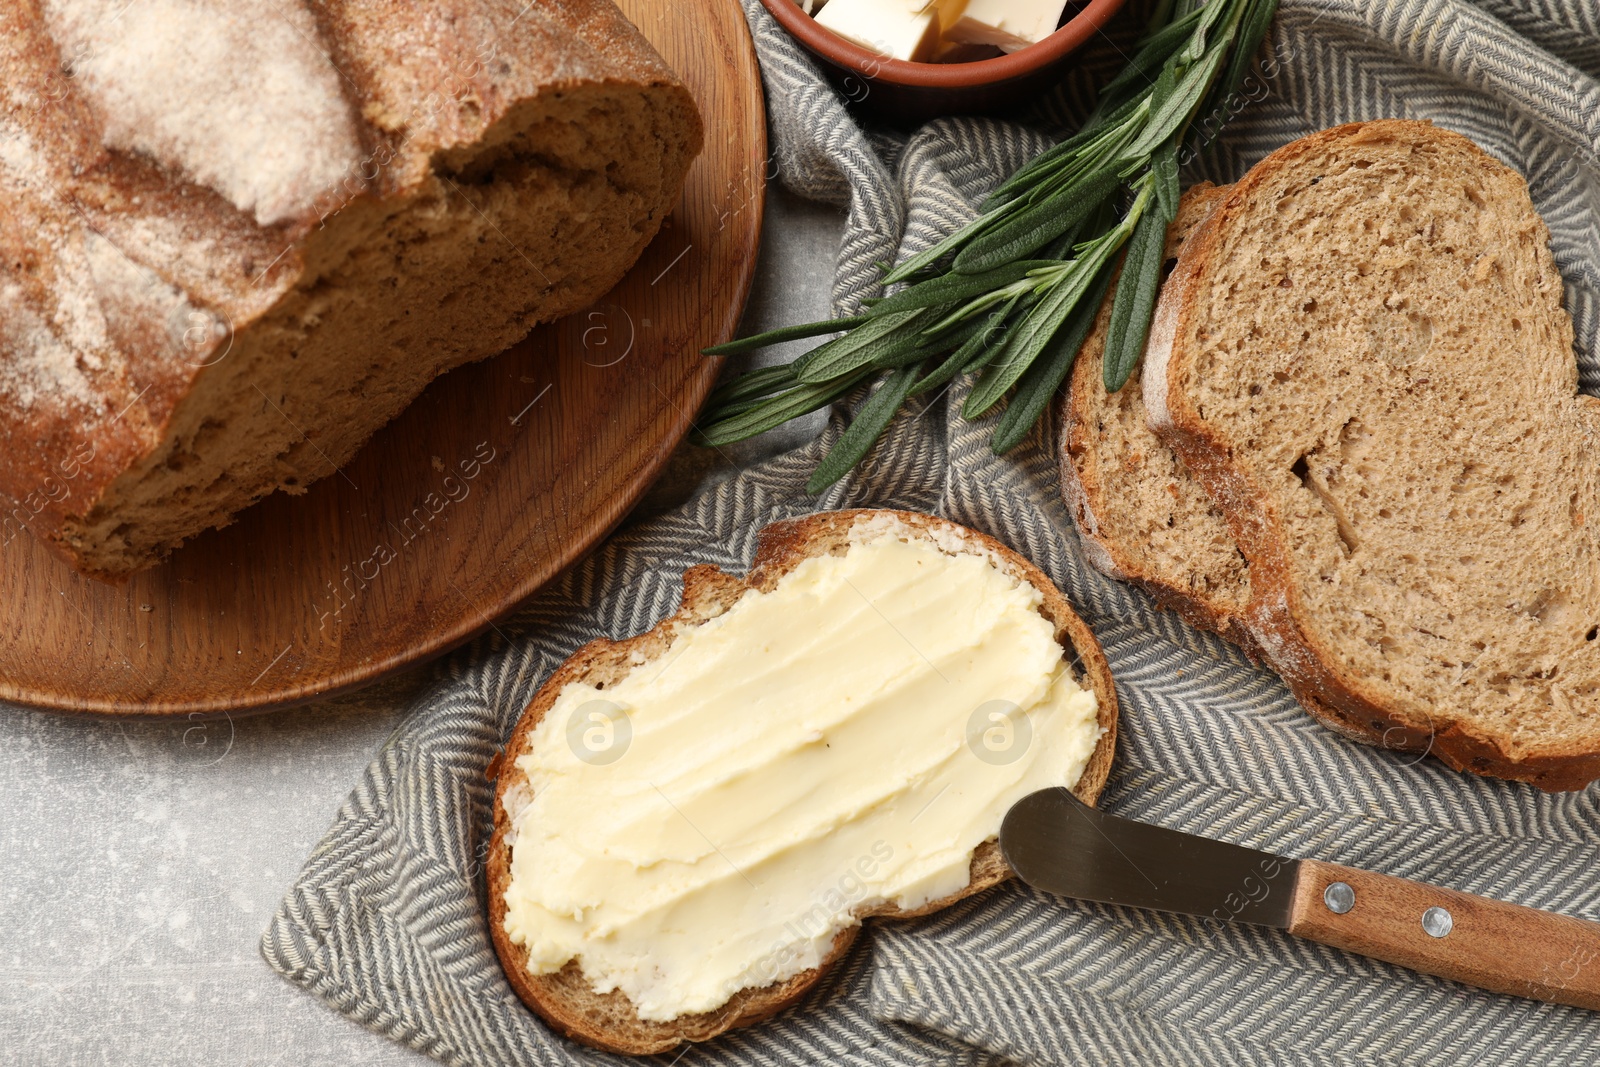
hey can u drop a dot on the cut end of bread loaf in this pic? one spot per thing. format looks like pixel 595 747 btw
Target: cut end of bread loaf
pixel 394 294
pixel 211 293
pixel 566 999
pixel 1142 516
pixel 1369 367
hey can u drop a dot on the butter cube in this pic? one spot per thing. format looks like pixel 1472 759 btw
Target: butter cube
pixel 949 10
pixel 1008 24
pixel 894 29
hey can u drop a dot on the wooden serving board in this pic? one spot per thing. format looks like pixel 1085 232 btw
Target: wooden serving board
pixel 501 474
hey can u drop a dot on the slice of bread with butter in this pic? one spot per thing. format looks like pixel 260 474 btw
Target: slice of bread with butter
pixel 690 824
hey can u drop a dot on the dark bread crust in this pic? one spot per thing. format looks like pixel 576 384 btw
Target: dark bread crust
pixel 1339 701
pixel 564 999
pixel 1089 497
pixel 433 91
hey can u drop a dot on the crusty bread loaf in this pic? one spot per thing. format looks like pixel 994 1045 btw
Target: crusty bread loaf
pixel 237 238
pixel 1364 357
pixel 1141 516
pixel 608 1021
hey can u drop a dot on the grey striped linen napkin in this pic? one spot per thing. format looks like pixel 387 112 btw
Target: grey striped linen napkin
pixel 386 923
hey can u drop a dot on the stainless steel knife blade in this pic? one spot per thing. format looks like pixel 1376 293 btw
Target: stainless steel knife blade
pixel 1059 844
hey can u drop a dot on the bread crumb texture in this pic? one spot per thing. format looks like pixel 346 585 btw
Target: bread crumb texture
pixel 1147 517
pixel 1375 374
pixel 239 238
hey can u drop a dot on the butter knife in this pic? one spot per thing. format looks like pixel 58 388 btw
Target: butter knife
pixel 1058 844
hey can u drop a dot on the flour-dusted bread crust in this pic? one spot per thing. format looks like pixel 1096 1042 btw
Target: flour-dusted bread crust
pixel 237 238
pixel 1364 357
pixel 565 999
pixel 1142 517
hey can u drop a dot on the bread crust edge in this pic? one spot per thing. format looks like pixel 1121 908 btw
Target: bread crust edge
pixel 1339 704
pixel 707 591
pixel 62 497
pixel 1081 490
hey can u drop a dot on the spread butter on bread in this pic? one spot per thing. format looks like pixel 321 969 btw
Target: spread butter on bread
pixel 691 824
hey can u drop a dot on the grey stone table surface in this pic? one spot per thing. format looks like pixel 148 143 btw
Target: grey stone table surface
pixel 142 861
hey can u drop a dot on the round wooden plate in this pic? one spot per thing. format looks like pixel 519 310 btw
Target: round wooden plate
pixel 501 474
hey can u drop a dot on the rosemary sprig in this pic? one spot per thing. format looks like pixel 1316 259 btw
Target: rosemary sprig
pixel 1012 295
pixel 1135 301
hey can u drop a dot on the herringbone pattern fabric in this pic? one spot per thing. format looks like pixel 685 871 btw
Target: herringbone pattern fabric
pixel 386 923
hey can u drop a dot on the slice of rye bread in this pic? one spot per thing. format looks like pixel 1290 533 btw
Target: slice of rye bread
pixel 608 1021
pixel 1364 358
pixel 1143 518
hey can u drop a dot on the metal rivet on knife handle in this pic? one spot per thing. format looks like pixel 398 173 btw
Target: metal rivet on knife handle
pixel 1491 944
pixel 1057 843
pixel 1339 897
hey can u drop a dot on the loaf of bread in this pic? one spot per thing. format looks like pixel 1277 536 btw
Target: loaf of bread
pixel 1363 356
pixel 566 998
pixel 1142 517
pixel 239 237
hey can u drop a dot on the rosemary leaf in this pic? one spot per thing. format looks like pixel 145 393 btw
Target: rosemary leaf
pixel 948 368
pixel 907 342
pixel 1135 299
pixel 942 338
pixel 1036 226
pixel 979 304
pixel 755 383
pixel 1200 43
pixel 1178 109
pixel 872 418
pixel 923 260
pixel 1024 344
pixel 800 400
pixel 840 354
pixel 949 288
pixel 1093 226
pixel 784 333
pixel 1252 31
pixel 1046 165
pixel 1061 247
pixel 982 342
pixel 1164 175
pixel 1156 49
pixel 1040 382
pixel 1011 359
pixel 739 407
pixel 915 351
pixel 1165 85
pixel 1101 135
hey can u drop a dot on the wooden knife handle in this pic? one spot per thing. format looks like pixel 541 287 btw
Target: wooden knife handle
pixel 1506 948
